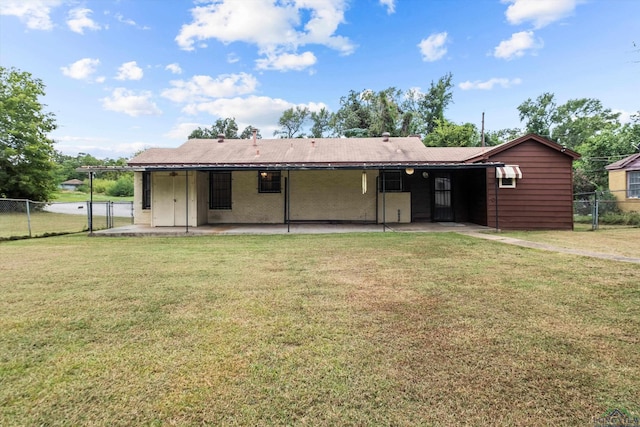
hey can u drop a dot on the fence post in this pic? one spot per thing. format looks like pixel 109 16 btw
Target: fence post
pixel 28 217
pixel 594 213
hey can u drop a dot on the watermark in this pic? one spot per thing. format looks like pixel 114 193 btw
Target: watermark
pixel 616 418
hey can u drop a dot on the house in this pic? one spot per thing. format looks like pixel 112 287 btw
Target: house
pixel 71 184
pixel 624 182
pixel 522 184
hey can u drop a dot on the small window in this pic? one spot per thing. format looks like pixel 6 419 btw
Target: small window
pixel 391 181
pixel 507 183
pixel 146 190
pixel 633 185
pixel 220 190
pixel 269 181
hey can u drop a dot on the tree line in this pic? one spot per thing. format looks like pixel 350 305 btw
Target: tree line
pixel 30 167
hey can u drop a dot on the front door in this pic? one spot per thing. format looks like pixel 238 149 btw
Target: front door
pixel 442 197
pixel 169 205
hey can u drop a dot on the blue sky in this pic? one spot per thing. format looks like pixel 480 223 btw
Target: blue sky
pixel 124 75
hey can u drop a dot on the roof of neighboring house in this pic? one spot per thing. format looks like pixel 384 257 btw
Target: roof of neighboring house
pixel 631 163
pixel 323 153
pixel 72 182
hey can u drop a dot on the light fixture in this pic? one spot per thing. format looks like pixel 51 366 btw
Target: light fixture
pixel 263 174
pixel 409 171
pixel 425 175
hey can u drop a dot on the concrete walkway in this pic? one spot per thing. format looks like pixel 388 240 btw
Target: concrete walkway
pixel 547 247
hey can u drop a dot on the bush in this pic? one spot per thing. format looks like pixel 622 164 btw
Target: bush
pixel 123 187
pixel 607 203
pixel 102 186
pixel 623 218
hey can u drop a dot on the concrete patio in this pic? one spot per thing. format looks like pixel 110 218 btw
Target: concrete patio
pixel 297 228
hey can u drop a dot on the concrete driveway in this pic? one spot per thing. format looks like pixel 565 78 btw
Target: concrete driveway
pixel 99 208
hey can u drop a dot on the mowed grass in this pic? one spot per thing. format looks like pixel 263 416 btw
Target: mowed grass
pixel 345 329
pixel 613 240
pixel 47 223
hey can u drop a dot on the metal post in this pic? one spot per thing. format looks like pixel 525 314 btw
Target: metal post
pixel 288 195
pixel 595 212
pixel 496 188
pixel 28 217
pixel 384 203
pixel 186 174
pixel 90 210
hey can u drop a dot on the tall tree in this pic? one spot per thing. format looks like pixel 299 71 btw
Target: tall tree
pixel 449 134
pixel 433 103
pixel 579 119
pixel 247 133
pixel 539 115
pixel 292 122
pixel 27 169
pixel 354 115
pixel 321 123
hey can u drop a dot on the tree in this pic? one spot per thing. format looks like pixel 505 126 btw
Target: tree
pixel 247 133
pixel 292 122
pixel 449 134
pixel 27 169
pixel 321 123
pixel 431 105
pixel 539 114
pixel 579 119
pixel 500 136
pixel 354 115
pixel 227 127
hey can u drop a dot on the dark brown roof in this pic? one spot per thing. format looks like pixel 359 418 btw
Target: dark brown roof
pixel 631 163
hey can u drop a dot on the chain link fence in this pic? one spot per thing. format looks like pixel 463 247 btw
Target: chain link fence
pixel 21 218
pixel 600 210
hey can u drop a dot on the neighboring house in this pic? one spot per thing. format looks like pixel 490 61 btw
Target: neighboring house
pixel 71 184
pixel 522 184
pixel 624 182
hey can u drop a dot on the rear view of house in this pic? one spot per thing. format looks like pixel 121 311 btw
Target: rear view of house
pixel 523 184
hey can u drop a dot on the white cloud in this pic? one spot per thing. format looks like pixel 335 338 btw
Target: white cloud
pixel 200 88
pixel 432 48
pixel 181 131
pixel 539 12
pixel 390 5
pixel 81 69
pixel 129 71
pixel 174 68
pixel 272 27
pixel 517 45
pixel 287 61
pixel 78 20
pixel 489 84
pixel 35 13
pixel 128 102
pixel 232 58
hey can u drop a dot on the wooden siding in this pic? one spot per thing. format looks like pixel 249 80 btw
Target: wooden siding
pixel 542 199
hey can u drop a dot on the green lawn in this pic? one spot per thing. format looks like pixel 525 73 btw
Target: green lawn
pixel 47 223
pixel 78 196
pixel 345 329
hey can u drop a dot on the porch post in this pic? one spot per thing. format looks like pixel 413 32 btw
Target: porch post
pixel 495 177
pixel 90 203
pixel 186 175
pixel 384 203
pixel 288 195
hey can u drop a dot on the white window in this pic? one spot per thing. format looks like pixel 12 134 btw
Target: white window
pixel 507 183
pixel 633 185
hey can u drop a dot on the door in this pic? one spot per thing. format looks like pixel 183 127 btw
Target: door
pixel 169 204
pixel 442 197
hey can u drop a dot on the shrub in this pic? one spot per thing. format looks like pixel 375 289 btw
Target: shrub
pixel 607 203
pixel 621 218
pixel 102 186
pixel 123 187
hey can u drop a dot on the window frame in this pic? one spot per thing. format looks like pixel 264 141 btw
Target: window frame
pixel 146 190
pixel 269 181
pixel 507 182
pixel 633 188
pixel 395 177
pixel 220 197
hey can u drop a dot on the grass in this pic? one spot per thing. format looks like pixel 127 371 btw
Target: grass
pixel 14 225
pixel 354 329
pixel 617 241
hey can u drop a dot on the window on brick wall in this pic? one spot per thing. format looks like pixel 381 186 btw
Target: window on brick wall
pixel 220 190
pixel 633 185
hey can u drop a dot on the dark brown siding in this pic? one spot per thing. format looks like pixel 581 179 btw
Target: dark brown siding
pixel 542 199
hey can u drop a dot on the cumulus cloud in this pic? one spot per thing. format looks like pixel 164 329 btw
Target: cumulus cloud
pixel 287 61
pixel 129 71
pixel 272 27
pixel 201 88
pixel 433 47
pixel 517 45
pixel 181 131
pixel 79 20
pixel 390 5
pixel 81 69
pixel 538 12
pixel 174 68
pixel 489 84
pixel 34 13
pixel 130 103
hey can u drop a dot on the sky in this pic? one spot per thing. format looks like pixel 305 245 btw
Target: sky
pixel 125 75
